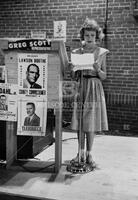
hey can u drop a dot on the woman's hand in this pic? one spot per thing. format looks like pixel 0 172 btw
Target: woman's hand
pixel 72 73
pixel 96 67
pixel 101 74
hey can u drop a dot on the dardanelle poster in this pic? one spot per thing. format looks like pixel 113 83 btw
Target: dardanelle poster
pixel 32 73
pixel 8 102
pixel 32 116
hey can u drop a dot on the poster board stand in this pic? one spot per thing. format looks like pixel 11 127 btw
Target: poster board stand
pixel 57 61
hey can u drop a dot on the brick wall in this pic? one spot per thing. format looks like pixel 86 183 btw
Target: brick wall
pixel 19 17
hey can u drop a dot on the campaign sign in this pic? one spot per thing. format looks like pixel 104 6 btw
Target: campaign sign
pixel 30 44
pixel 32 73
pixel 8 102
pixel 32 116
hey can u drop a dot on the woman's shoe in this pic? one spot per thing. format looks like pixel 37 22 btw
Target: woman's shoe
pixel 76 159
pixel 90 161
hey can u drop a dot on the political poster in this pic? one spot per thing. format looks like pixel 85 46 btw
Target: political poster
pixel 31 44
pixel 8 102
pixel 32 73
pixel 32 116
pixel 60 30
pixel 3 74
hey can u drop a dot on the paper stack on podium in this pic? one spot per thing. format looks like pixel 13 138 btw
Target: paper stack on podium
pixel 82 61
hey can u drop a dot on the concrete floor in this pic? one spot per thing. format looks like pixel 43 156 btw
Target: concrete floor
pixel 116 177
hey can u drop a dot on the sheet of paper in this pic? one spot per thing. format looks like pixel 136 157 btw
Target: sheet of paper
pixel 82 61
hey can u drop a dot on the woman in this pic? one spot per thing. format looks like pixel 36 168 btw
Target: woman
pixel 94 115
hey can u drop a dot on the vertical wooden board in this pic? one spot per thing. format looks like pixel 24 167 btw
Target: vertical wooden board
pixel 58 139
pixel 53 78
pixel 63 58
pixel 54 82
pixel 54 64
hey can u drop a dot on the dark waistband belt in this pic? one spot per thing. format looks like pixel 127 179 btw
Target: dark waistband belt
pixel 89 76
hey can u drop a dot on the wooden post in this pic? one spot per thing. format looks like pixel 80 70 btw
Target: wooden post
pixel 58 139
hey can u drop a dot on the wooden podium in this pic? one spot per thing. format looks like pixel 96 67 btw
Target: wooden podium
pixel 57 62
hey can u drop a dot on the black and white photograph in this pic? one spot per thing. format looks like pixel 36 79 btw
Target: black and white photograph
pixel 71 130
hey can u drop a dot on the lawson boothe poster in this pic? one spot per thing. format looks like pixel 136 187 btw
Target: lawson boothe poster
pixel 32 73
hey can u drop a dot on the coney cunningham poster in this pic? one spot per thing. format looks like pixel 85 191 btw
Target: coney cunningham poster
pixel 32 115
pixel 32 73
pixel 8 102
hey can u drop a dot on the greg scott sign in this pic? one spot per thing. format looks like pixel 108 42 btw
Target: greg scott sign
pixel 32 44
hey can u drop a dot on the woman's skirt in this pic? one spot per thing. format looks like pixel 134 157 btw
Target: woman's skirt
pixel 90 107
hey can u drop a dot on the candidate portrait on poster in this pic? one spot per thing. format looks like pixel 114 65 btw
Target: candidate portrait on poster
pixel 32 113
pixel 3 102
pixel 32 75
pixel 32 71
pixel 3 75
pixel 32 118
pixel 8 102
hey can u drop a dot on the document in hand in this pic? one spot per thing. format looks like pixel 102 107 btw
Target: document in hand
pixel 82 61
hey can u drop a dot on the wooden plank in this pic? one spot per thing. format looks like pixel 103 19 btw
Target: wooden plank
pixel 58 139
pixel 53 58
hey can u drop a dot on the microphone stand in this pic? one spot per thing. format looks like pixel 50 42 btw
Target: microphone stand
pixel 80 116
